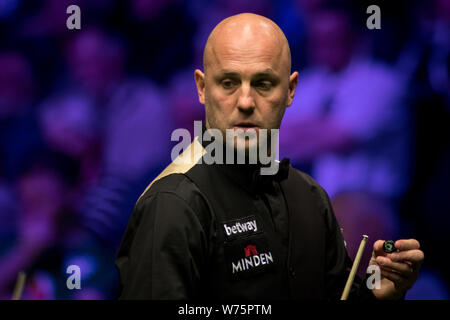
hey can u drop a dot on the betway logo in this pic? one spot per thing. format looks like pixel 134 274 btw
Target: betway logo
pixel 240 227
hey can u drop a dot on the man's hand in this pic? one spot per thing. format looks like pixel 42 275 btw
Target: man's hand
pixel 399 270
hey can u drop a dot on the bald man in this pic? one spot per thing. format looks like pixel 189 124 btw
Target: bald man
pixel 225 231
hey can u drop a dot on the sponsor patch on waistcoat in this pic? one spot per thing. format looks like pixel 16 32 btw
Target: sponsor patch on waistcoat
pixel 248 256
pixel 241 227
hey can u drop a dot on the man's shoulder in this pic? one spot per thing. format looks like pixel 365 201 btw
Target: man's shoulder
pixel 177 184
pixel 176 194
pixel 300 178
pixel 308 193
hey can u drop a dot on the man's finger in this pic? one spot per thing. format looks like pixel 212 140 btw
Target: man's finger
pixel 410 244
pixel 394 277
pixel 398 267
pixel 414 256
pixel 378 248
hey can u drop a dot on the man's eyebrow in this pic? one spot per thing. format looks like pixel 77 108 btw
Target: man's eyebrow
pixel 266 72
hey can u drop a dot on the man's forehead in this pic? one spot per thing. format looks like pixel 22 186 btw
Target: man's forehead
pixel 231 57
pixel 267 71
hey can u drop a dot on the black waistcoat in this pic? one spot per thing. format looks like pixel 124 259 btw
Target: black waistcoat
pixel 247 260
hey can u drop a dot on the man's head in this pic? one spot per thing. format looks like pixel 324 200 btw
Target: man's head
pixel 331 40
pixel 246 80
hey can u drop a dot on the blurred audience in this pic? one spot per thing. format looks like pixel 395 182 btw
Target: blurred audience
pixel 43 219
pixel 19 132
pixel 347 121
pixel 132 121
pixel 425 61
pixel 361 214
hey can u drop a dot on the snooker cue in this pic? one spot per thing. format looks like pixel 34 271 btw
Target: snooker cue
pixel 18 288
pixel 352 274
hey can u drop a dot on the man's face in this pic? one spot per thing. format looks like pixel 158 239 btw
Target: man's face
pixel 330 40
pixel 246 84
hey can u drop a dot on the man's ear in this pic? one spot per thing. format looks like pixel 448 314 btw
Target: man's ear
pixel 293 80
pixel 200 82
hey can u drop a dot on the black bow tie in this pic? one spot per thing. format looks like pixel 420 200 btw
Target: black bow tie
pixel 265 182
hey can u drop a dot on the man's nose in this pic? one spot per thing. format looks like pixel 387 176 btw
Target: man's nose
pixel 245 102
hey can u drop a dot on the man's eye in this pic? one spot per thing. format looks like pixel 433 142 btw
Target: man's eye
pixel 227 84
pixel 264 85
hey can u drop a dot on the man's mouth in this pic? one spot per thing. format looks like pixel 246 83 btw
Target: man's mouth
pixel 245 125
